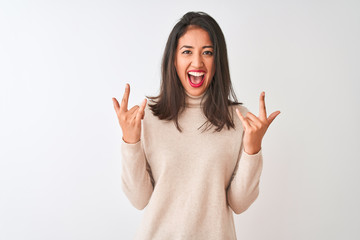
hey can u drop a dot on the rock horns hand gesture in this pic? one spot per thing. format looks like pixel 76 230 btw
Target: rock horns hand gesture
pixel 129 120
pixel 255 127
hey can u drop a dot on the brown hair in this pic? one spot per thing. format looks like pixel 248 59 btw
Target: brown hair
pixel 171 100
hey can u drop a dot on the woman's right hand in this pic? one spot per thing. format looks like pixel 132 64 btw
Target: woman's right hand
pixel 129 120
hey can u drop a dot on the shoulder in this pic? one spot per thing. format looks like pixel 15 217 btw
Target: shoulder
pixel 149 116
pixel 243 109
pixel 148 122
pixel 148 112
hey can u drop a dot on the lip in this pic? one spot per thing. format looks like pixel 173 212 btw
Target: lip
pixel 200 83
pixel 196 71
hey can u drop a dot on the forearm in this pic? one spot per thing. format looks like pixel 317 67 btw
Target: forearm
pixel 244 187
pixel 136 180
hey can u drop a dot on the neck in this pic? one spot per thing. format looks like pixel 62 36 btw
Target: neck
pixel 194 101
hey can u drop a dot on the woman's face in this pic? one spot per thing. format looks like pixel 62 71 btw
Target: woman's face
pixel 194 60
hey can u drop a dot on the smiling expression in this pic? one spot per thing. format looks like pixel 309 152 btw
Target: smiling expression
pixel 194 60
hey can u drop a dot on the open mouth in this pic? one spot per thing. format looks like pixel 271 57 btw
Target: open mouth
pixel 196 79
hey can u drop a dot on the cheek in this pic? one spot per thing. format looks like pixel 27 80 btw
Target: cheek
pixel 180 68
pixel 212 67
pixel 180 73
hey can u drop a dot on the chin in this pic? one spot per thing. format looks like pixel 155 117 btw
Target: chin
pixel 196 92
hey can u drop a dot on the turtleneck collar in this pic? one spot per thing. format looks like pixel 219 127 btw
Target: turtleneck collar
pixel 194 101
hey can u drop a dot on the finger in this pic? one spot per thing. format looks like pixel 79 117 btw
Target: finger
pixel 116 104
pixel 141 111
pixel 262 109
pixel 125 99
pixel 133 115
pixel 245 123
pixel 134 112
pixel 251 123
pixel 136 115
pixel 255 120
pixel 142 117
pixel 133 109
pixel 273 116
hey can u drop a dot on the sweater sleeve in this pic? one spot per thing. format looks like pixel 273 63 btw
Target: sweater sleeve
pixel 136 177
pixel 244 186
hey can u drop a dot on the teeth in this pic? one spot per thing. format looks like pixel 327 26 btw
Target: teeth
pixel 196 74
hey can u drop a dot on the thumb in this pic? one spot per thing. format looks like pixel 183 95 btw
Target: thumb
pixel 141 113
pixel 273 116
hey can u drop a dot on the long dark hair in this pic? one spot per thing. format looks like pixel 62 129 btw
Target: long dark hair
pixel 171 100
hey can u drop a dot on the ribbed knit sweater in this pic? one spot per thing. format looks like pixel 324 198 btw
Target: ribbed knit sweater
pixel 190 182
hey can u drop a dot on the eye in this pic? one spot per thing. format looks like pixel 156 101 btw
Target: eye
pixel 186 52
pixel 208 53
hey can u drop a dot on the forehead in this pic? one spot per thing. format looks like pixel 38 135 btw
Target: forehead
pixel 195 36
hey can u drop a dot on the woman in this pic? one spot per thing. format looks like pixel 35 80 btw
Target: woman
pixel 185 156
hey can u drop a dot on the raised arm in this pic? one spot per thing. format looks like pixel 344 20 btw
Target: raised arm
pixel 244 187
pixel 136 177
pixel 137 181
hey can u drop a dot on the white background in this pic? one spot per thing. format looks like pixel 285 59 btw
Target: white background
pixel 61 62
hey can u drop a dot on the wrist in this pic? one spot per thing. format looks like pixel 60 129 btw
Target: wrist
pixel 130 141
pixel 252 151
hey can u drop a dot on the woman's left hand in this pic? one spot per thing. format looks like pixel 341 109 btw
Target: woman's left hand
pixel 255 127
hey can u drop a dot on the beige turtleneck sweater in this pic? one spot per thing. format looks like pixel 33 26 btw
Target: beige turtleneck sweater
pixel 189 182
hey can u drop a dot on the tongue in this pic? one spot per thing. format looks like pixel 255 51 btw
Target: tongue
pixel 195 80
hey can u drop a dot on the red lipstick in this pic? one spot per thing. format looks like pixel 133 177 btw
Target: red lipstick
pixel 198 84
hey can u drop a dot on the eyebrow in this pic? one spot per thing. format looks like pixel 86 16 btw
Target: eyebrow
pixel 186 46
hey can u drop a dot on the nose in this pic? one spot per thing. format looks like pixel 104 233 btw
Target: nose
pixel 197 61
